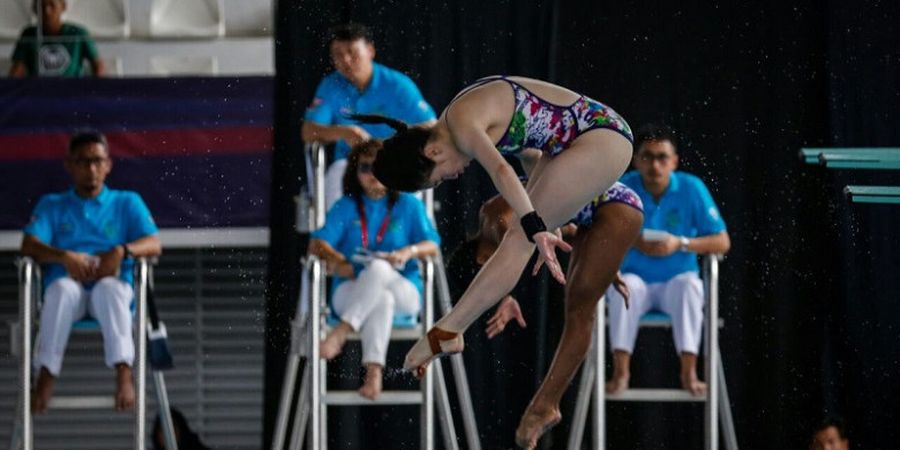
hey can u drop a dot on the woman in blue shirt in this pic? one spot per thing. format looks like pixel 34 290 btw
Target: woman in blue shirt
pixel 389 225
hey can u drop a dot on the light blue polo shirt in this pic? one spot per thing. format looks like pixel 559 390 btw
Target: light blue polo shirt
pixel 408 225
pixel 66 221
pixel 390 93
pixel 686 208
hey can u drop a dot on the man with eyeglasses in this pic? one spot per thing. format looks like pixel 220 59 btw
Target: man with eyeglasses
pixel 681 220
pixel 358 86
pixel 87 239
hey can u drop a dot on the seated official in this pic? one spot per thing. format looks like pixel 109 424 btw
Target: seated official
pixel 387 231
pixel 87 238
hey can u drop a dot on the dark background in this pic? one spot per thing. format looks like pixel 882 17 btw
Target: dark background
pixel 809 293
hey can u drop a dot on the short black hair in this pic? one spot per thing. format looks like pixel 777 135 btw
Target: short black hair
pixel 85 137
pixel 34 4
pixel 655 132
pixel 833 421
pixel 350 32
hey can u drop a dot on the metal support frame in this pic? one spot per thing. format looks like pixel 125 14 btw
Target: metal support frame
pixel 593 374
pixel 29 296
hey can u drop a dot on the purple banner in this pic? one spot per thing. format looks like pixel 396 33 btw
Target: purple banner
pixel 197 149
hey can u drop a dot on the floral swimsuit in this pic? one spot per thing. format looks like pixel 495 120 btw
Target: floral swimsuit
pixel 618 193
pixel 551 128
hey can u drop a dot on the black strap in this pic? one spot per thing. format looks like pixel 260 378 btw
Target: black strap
pixel 532 224
pixel 151 307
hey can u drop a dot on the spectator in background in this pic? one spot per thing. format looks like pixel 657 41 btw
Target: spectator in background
pixel 88 237
pixel 681 220
pixel 358 86
pixel 830 435
pixel 390 227
pixel 63 46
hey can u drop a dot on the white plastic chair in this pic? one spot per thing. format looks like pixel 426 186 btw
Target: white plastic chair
pixel 187 19
pixel 5 65
pixel 184 65
pixel 14 16
pixel 105 19
pixel 248 17
pixel 113 67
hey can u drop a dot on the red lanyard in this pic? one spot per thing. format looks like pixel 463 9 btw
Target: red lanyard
pixel 364 225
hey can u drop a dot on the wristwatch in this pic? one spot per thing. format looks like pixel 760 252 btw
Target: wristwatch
pixel 126 254
pixel 684 243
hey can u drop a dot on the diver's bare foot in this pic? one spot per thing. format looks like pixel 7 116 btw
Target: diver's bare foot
pixel 333 344
pixel 535 422
pixel 43 390
pixel 438 342
pixel 691 383
pixel 617 384
pixel 372 387
pixel 124 387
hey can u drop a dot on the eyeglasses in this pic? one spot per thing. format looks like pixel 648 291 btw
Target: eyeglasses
pixel 364 168
pixel 88 162
pixel 650 157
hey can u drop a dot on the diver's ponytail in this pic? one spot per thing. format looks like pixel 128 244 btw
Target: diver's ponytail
pixel 375 119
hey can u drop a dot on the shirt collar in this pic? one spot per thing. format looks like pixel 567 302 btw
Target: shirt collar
pixel 101 198
pixel 674 185
pixel 377 70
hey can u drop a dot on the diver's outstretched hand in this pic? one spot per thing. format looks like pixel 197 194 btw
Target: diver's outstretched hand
pixel 547 243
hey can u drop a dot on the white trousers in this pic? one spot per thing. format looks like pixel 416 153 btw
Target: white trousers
pixel 681 298
pixel 368 304
pixel 66 301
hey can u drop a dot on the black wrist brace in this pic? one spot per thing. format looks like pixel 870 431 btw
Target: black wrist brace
pixel 532 224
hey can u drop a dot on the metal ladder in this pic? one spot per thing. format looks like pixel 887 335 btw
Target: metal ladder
pixel 594 369
pixel 29 294
pixel 309 327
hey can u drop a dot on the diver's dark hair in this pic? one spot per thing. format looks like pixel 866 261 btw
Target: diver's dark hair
pixel 655 132
pixel 86 137
pixel 350 32
pixel 401 164
pixel 837 423
pixel 352 187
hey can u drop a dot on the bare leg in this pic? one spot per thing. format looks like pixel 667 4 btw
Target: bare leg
pixel 372 386
pixel 596 259
pixel 568 182
pixel 621 372
pixel 124 387
pixel 689 379
pixel 43 390
pixel 333 344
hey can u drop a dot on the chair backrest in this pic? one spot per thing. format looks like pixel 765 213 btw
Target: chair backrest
pixel 248 17
pixel 113 68
pixel 14 16
pixel 105 19
pixel 187 19
pixel 184 65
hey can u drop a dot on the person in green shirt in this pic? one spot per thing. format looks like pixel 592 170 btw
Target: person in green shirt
pixel 63 46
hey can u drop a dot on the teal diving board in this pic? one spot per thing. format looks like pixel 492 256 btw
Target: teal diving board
pixel 873 194
pixel 875 158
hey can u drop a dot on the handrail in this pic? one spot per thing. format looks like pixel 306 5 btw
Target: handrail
pixel 27 268
pixel 311 206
